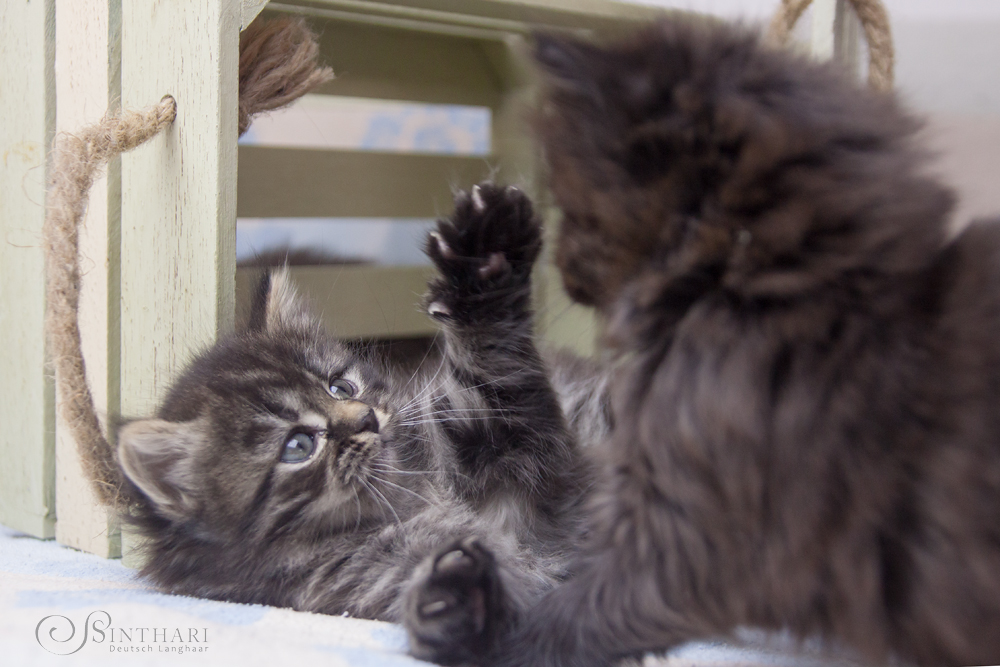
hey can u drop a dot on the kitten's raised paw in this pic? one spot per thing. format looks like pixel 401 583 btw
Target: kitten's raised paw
pixel 454 611
pixel 485 252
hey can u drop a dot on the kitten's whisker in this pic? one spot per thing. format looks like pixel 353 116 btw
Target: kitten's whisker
pixel 429 385
pixel 394 471
pixel 384 501
pixel 427 472
pixel 403 488
pixel 493 381
pixel 419 366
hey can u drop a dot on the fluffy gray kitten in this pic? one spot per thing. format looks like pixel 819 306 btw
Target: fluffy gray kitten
pixel 807 432
pixel 283 469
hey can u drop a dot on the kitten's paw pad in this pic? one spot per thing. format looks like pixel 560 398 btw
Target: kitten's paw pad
pixel 454 610
pixel 492 227
pixel 496 265
pixel 484 252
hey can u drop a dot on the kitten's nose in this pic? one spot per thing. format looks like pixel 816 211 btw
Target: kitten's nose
pixel 367 422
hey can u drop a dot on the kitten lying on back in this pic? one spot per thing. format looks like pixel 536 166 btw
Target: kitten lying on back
pixel 807 430
pixel 283 469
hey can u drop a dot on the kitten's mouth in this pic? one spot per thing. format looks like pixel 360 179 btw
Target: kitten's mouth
pixel 356 452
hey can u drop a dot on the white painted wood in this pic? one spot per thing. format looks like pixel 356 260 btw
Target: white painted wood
pixel 835 33
pixel 178 190
pixel 847 38
pixel 249 9
pixel 824 14
pixel 83 91
pixel 178 212
pixel 26 393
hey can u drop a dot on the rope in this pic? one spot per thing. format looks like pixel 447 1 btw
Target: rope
pixel 278 64
pixel 875 21
pixel 77 159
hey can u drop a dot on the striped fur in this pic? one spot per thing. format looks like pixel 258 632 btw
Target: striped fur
pixel 446 500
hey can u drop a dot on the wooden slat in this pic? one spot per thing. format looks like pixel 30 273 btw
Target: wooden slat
pixel 27 107
pixel 493 15
pixel 84 88
pixel 283 182
pixel 178 209
pixel 390 63
pixel 357 301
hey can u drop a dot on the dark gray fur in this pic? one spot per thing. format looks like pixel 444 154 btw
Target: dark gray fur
pixel 807 427
pixel 446 500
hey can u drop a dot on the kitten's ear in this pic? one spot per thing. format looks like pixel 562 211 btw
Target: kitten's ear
pixel 564 60
pixel 278 306
pixel 159 458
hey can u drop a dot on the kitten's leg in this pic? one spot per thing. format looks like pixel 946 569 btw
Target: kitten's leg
pixel 494 402
pixel 613 608
pixel 646 579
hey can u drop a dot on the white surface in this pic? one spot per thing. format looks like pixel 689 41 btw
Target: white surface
pixel 40 580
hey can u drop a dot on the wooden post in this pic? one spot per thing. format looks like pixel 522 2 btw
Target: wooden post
pixel 178 211
pixel 88 85
pixel 27 107
pixel 249 9
pixel 835 33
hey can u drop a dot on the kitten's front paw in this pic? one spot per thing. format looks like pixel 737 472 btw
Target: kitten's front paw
pixel 484 253
pixel 454 612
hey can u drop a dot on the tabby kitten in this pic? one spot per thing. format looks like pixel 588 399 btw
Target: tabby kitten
pixel 807 432
pixel 284 469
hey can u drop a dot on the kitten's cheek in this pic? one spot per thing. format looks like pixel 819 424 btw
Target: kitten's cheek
pixel 383 418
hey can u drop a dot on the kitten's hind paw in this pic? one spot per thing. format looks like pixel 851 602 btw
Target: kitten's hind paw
pixel 455 609
pixel 484 252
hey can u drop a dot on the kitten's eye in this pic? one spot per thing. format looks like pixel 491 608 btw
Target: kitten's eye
pixel 341 388
pixel 298 448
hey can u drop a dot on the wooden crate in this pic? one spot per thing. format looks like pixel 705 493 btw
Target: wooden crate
pixel 158 252
pixel 158 244
pixel 433 52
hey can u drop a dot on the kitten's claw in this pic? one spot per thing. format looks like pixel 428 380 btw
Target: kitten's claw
pixel 436 607
pixel 454 560
pixel 438 311
pixel 477 199
pixel 443 248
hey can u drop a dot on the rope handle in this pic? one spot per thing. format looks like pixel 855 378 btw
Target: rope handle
pixel 875 21
pixel 279 62
pixel 77 160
